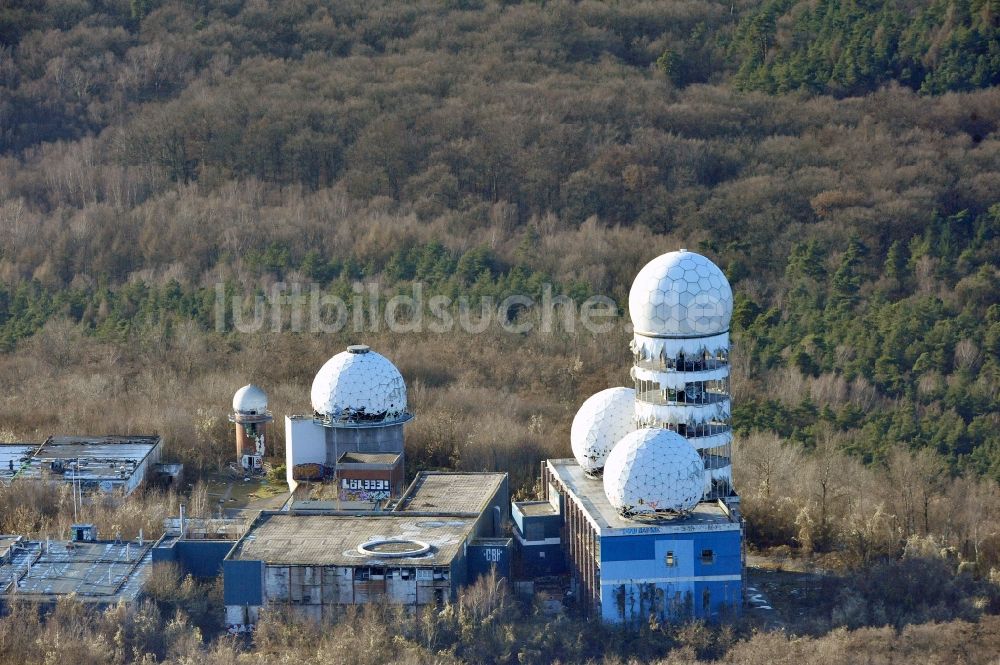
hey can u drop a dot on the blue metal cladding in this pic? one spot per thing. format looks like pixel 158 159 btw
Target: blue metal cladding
pixel 516 516
pixel 726 550
pixel 552 526
pixel 627 548
pixel 243 582
pixel 200 558
pixel 542 560
pixel 539 526
pixel 482 556
pixel 458 572
pixel 164 555
pixel 679 575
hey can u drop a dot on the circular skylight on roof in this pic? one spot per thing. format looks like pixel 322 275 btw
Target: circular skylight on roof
pixel 394 548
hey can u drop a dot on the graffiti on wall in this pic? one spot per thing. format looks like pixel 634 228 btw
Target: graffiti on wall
pixel 356 489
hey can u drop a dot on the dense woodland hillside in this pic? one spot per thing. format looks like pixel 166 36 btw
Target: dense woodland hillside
pixel 854 47
pixel 152 149
pixel 839 159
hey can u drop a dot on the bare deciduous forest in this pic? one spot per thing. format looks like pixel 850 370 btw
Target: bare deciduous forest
pixel 841 162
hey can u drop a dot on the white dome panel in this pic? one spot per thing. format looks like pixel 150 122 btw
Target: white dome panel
pixel 705 300
pixel 359 386
pixel 652 470
pixel 250 400
pixel 603 419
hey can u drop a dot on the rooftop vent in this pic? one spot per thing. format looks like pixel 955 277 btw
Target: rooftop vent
pixel 83 533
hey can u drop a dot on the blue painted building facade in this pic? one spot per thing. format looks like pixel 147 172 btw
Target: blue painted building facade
pixel 484 555
pixel 200 558
pixel 671 575
pixel 627 570
pixel 537 530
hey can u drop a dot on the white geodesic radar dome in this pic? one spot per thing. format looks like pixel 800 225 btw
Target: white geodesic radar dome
pixel 359 386
pixel 680 294
pixel 250 400
pixel 603 419
pixel 653 470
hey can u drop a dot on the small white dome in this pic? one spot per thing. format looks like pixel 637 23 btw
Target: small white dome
pixel 603 419
pixel 680 294
pixel 652 470
pixel 250 399
pixel 359 385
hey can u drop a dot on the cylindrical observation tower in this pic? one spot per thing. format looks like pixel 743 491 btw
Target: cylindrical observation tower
pixel 681 305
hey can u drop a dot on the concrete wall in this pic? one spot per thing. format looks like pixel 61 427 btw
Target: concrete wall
pixel 322 592
pixel 305 442
pixel 393 476
pixel 540 560
pixel 246 441
pixel 497 512
pixel 340 440
pixel 143 468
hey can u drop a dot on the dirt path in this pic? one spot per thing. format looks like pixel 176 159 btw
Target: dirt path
pixel 785 593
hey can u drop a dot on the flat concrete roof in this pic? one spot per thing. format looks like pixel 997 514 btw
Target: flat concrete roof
pixel 101 457
pixel 69 447
pixel 280 538
pixel 6 541
pixel 589 495
pixel 207 528
pixel 18 453
pixel 453 492
pixel 535 508
pixel 101 572
pixel 369 458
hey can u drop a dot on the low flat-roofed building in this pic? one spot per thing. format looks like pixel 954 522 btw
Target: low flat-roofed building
pixel 445 530
pixel 316 564
pixel 625 570
pixel 361 481
pixel 483 495
pixel 198 545
pixel 453 491
pixel 104 572
pixel 107 464
pixel 537 528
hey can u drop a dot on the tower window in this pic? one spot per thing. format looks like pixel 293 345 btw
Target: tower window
pixel 669 560
pixel 707 556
